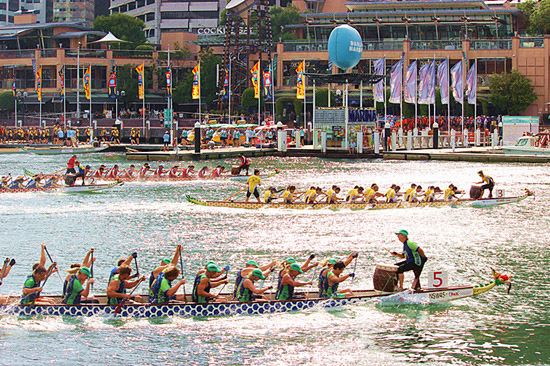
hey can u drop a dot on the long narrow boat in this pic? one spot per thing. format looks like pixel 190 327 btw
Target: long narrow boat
pixel 65 189
pixel 10 305
pixel 63 150
pixel 488 202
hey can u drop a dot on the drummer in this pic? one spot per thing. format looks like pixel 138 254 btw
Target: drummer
pixel 488 183
pixel 414 259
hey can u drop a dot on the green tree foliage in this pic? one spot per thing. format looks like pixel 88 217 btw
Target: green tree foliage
pixel 538 15
pixel 321 97
pixel 282 109
pixel 6 101
pixel 280 17
pixel 124 27
pixel 511 92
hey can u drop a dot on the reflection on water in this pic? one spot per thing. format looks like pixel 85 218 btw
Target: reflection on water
pixel 152 219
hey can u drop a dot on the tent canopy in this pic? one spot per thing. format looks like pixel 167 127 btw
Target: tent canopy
pixel 109 38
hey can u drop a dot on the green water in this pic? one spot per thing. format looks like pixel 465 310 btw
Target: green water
pixel 152 218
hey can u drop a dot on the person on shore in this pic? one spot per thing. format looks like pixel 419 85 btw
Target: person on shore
pixel 161 290
pixel 118 284
pixel 204 283
pixel 245 164
pixel 287 284
pixel 165 263
pixel 250 266
pixel 332 195
pixel 332 279
pixel 75 293
pixel 246 291
pixel 133 136
pixel 253 182
pixel 166 141
pixel 414 259
pixel 32 288
pixel 6 268
pixel 488 183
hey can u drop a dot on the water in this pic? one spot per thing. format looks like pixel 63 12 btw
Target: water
pixel 152 218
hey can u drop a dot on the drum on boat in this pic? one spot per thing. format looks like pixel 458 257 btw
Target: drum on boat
pixel 475 192
pixel 385 277
pixel 235 170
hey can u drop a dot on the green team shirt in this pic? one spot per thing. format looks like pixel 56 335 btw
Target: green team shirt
pixel 77 289
pixel 164 286
pixel 29 299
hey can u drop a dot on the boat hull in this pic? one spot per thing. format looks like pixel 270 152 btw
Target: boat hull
pixel 65 189
pixel 59 151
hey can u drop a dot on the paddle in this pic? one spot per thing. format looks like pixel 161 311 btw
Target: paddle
pixel 224 278
pixel 92 269
pixel 233 195
pixel 134 254
pixel 119 306
pixel 51 260
pixel 48 276
pixel 182 276
pixel 354 267
pixel 4 269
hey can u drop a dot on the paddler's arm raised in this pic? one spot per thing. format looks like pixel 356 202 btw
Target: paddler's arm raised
pixel 350 258
pixel 176 256
pixel 268 266
pixel 308 265
pixel 333 278
pixel 87 262
pixel 132 284
pixel 43 255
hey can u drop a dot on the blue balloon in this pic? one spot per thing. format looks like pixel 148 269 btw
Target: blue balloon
pixel 345 47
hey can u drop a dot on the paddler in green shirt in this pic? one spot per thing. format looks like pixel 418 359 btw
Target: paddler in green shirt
pixel 162 290
pixel 247 290
pixel 285 290
pixel 204 283
pixel 75 290
pixel 32 288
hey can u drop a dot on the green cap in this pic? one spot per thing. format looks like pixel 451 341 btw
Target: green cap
pixel 404 232
pixel 209 263
pixel 213 268
pixel 86 271
pixel 258 273
pixel 332 261
pixel 296 267
pixel 252 263
pixel 290 260
pixel 166 260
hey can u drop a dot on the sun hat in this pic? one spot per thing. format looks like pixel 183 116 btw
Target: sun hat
pixel 86 271
pixel 258 273
pixel 213 268
pixel 296 267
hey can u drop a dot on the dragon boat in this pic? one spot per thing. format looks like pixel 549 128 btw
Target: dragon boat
pixel 488 202
pixel 183 306
pixel 62 150
pixel 64 188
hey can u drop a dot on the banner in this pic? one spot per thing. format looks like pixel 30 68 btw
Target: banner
pixel 427 84
pixel 141 92
pixel 410 82
pixel 431 83
pixel 301 89
pixel 396 82
pixel 268 85
pixel 379 69
pixel 112 84
pixel 225 89
pixel 62 77
pixel 255 71
pixel 39 83
pixel 13 88
pixel 196 92
pixel 87 81
pixel 471 83
pixel 169 82
pixel 443 81
pixel 457 83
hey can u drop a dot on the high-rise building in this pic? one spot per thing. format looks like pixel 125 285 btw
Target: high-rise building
pixel 162 16
pixel 73 10
pixel 43 9
pixel 7 10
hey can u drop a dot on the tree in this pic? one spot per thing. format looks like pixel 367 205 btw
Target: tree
pixel 511 92
pixel 280 17
pixel 538 16
pixel 123 26
pixel 6 101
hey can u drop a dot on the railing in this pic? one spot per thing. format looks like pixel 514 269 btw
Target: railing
pixel 382 45
pixel 51 52
pixel 132 54
pixel 16 54
pixel 305 46
pixel 531 42
pixel 436 45
pixel 86 53
pixel 491 44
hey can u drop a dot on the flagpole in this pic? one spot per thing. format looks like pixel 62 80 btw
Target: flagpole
pixel 229 87
pixel 200 117
pixel 385 99
pixel 259 91
pixel 64 99
pixel 169 100
pixel 143 103
pixel 90 95
pixel 475 86
pixel 40 101
pixel 360 94
pixel 305 93
pixel 78 82
pixel 272 90
pixel 449 92
pixel 462 120
pixel 312 115
pixel 435 94
pixel 416 98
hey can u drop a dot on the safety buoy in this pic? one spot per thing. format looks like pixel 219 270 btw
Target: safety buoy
pixel 174 142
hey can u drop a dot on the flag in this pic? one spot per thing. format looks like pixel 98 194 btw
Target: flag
pixel 431 83
pixel 196 92
pixel 443 81
pixel 268 85
pixel 39 83
pixel 329 69
pixel 113 84
pixel 410 82
pixel 301 89
pixel 426 86
pixel 169 82
pixel 225 90
pixel 13 88
pixel 379 69
pixel 456 82
pixel 141 92
pixel 396 82
pixel 255 71
pixel 471 83
pixel 62 77
pixel 87 80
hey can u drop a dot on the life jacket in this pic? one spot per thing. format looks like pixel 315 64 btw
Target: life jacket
pixel 321 281
pixel 31 184
pixel 244 294
pixel 155 295
pixel 194 296
pixel 238 282
pixel 284 292
pixel 328 291
pixel 244 161
pixel 120 290
pixel 70 297
pixel 31 298
pixel 158 171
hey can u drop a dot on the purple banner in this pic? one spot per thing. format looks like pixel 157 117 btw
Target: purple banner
pixel 443 81
pixel 471 83
pixel 379 69
pixel 410 82
pixel 396 82
pixel 457 83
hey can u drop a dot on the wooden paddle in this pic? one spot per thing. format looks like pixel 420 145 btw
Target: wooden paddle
pixel 92 270
pixel 119 306
pixel 182 276
pixel 51 260
pixel 233 195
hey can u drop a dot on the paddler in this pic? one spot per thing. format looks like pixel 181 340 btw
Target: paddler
pixel 159 171
pixel 285 289
pixel 429 195
pixel 122 262
pixel 245 164
pixel 70 165
pixel 414 195
pixel 32 288
pixel 331 280
pixel 82 172
pixel 328 265
pixel 246 291
pixel 162 290
pixel 114 172
pixel 250 266
pixel 203 172
pixel 6 267
pixel 203 285
pixel 372 193
pixel 143 171
pixel 87 262
pixel 288 194
pixel 354 194
pixel 315 196
pixel 391 194
pixel 269 195
pixel 165 263
pixel 75 292
pixel 451 192
pixel 217 171
pixel 253 182
pixel 408 192
pixel 414 259
pixel 188 172
pixel 100 172
pixel 118 284
pixel 173 172
pixel 488 183
pixel 129 173
pixel 332 195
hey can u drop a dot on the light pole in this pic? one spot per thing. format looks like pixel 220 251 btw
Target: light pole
pixel 23 95
pixel 78 82
pixel 121 93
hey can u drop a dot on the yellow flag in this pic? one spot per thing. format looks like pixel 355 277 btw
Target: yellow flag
pixel 301 88
pixel 255 71
pixel 196 92
pixel 39 83
pixel 87 81
pixel 139 70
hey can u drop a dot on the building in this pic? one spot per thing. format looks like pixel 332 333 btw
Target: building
pixel 73 11
pixel 43 9
pixel 162 16
pixel 7 10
